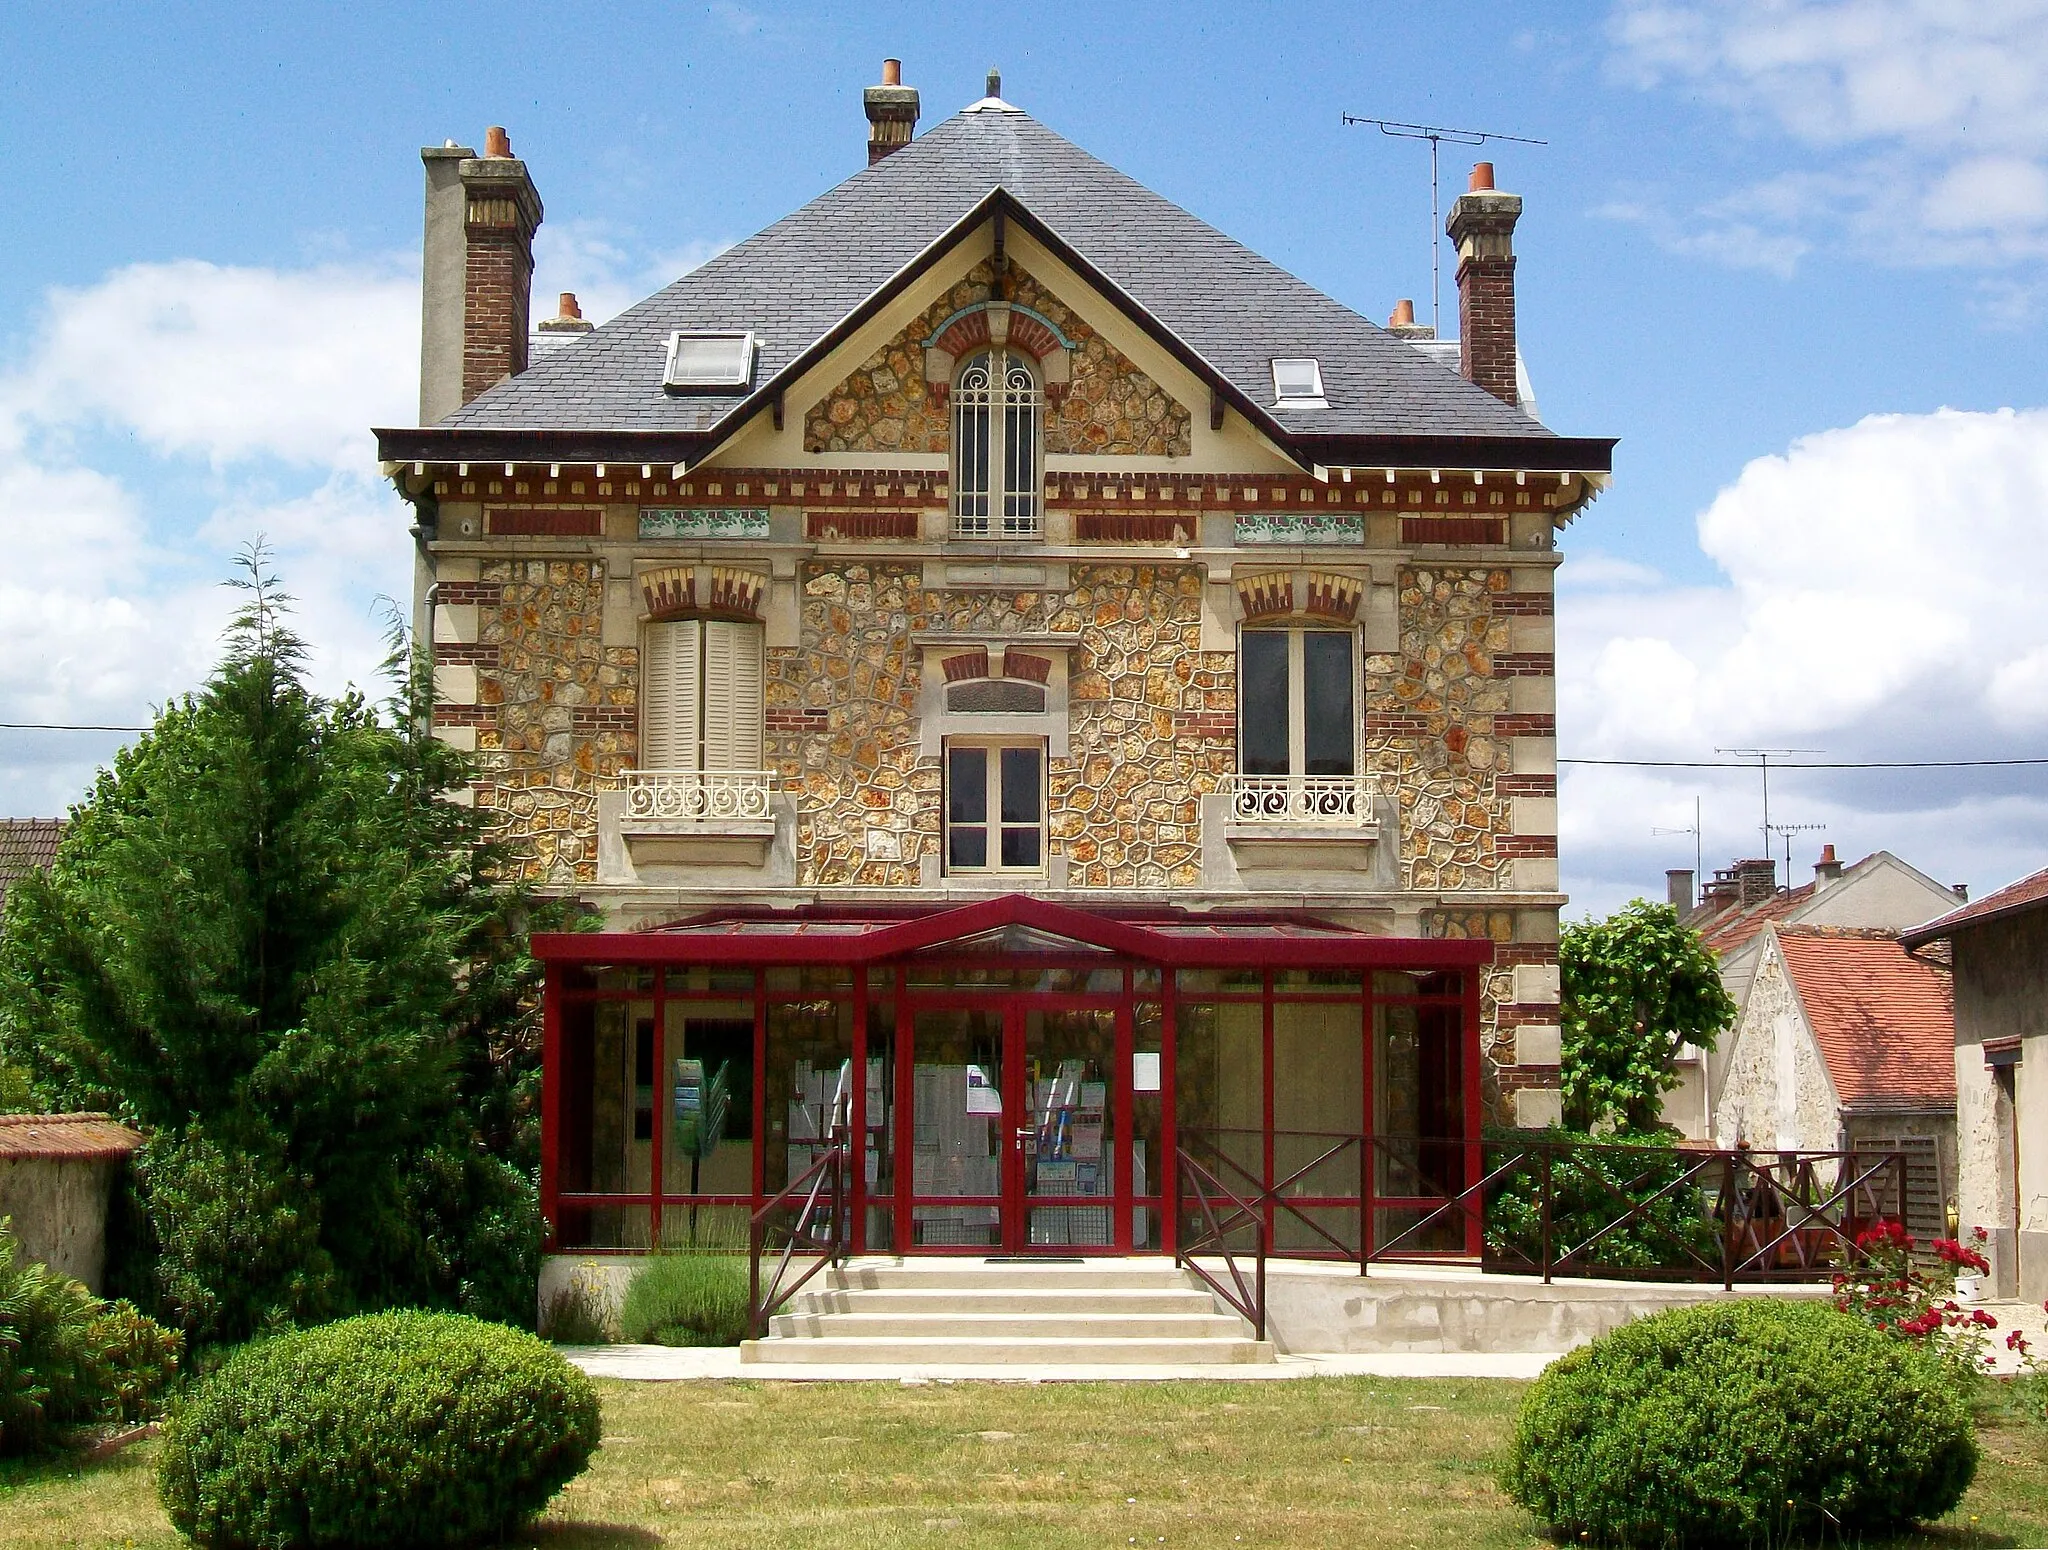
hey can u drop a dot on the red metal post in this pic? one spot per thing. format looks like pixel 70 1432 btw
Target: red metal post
pixel 1169 1129
pixel 550 1103
pixel 857 1115
pixel 1473 1106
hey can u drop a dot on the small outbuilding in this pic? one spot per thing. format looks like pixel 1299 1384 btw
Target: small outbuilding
pixel 56 1177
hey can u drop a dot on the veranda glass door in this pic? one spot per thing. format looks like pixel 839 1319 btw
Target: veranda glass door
pixel 1015 1142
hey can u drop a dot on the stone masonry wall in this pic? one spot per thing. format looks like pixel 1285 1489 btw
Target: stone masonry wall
pixel 560 712
pixel 844 735
pixel 1110 405
pixel 1430 721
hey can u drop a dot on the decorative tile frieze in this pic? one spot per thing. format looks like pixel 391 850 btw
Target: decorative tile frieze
pixel 1300 527
pixel 704 522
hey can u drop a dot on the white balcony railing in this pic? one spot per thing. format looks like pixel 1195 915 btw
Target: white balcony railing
pixel 700 796
pixel 1332 801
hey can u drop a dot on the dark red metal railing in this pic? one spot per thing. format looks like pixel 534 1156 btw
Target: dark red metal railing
pixel 1547 1207
pixel 819 1231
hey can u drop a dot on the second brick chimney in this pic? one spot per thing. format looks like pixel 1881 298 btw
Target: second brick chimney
pixel 892 112
pixel 1482 225
pixel 477 271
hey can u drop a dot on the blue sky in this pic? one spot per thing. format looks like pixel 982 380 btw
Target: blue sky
pixel 1754 222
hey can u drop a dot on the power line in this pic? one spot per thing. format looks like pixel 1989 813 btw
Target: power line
pixel 64 726
pixel 1814 764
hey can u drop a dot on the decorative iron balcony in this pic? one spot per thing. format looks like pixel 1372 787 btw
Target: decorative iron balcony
pixel 1335 801
pixel 700 796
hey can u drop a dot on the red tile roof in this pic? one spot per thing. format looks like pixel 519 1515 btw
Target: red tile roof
pixel 87 1136
pixel 2027 893
pixel 1885 1020
pixel 1730 929
pixel 26 843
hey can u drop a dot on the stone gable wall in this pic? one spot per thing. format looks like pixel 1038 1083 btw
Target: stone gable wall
pixel 1110 405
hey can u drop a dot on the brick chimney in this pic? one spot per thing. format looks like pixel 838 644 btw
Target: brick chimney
pixel 1482 225
pixel 1755 880
pixel 477 271
pixel 892 112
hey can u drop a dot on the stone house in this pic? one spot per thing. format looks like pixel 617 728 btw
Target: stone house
pixel 1999 947
pixel 1015 671
pixel 1846 1044
pixel 1880 892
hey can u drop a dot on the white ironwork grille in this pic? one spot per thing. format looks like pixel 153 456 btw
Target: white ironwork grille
pixel 700 796
pixel 997 447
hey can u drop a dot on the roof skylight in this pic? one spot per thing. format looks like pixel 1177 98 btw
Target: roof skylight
pixel 1298 383
pixel 710 358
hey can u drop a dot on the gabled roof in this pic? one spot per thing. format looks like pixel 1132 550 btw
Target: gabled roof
pixel 1730 930
pixel 809 280
pixel 1884 1020
pixel 2026 894
pixel 26 844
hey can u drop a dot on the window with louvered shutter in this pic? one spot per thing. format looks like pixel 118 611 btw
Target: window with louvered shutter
pixel 732 696
pixel 670 678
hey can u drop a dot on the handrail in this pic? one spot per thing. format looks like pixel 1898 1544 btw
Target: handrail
pixel 830 1245
pixel 1769 1214
pixel 1248 1302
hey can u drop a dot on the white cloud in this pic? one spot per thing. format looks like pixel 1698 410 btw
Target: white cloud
pixel 593 260
pixel 1876 605
pixel 1925 123
pixel 155 423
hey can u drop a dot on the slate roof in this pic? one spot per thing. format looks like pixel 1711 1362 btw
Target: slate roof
pixel 808 278
pixel 2028 893
pixel 88 1137
pixel 1884 1020
pixel 25 844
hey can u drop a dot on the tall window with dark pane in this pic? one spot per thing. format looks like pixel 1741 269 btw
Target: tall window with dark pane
pixel 995 807
pixel 1296 691
pixel 997 447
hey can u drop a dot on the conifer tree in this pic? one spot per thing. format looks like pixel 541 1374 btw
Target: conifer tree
pixel 271 942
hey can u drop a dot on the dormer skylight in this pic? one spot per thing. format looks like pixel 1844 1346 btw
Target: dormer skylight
pixel 710 359
pixel 1298 383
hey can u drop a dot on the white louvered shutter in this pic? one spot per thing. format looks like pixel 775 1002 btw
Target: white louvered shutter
pixel 669 676
pixel 732 696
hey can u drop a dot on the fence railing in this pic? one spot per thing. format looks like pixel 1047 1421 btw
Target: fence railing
pixel 699 796
pixel 1340 801
pixel 1546 1207
pixel 1211 1236
pixel 816 1236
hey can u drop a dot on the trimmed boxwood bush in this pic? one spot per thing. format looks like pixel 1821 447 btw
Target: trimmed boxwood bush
pixel 1738 1423
pixel 389 1429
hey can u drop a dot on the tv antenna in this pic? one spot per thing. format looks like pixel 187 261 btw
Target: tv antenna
pixel 1785 831
pixel 1763 757
pixel 1436 135
pixel 1699 849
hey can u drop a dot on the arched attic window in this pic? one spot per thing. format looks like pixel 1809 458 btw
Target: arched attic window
pixel 998 445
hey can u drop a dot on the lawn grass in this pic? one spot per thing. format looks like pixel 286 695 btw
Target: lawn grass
pixel 1309 1462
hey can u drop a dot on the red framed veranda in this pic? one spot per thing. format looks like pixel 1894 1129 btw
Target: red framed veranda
pixel 1020 1076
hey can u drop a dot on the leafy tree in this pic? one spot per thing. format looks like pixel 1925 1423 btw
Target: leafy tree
pixel 1635 986
pixel 271 942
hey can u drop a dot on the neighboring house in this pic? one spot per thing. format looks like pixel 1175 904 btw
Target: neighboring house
pixel 1999 947
pixel 26 844
pixel 1006 659
pixel 1847 1043
pixel 1880 892
pixel 56 1178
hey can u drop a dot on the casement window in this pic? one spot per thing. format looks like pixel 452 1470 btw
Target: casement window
pixel 1296 702
pixel 995 806
pixel 701 696
pixel 998 437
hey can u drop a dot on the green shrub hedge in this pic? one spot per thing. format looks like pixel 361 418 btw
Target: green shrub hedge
pixel 688 1299
pixel 68 1359
pixel 389 1429
pixel 1737 1423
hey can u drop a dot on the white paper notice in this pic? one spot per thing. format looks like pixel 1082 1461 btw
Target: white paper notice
pixel 1144 1072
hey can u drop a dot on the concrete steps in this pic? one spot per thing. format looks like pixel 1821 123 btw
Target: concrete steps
pixel 961 1312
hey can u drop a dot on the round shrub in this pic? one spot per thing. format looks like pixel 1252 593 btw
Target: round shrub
pixel 390 1429
pixel 1738 1423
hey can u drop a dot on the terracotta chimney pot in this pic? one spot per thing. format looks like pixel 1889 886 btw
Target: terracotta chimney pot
pixel 1482 178
pixel 497 142
pixel 1404 314
pixel 569 309
pixel 892 72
